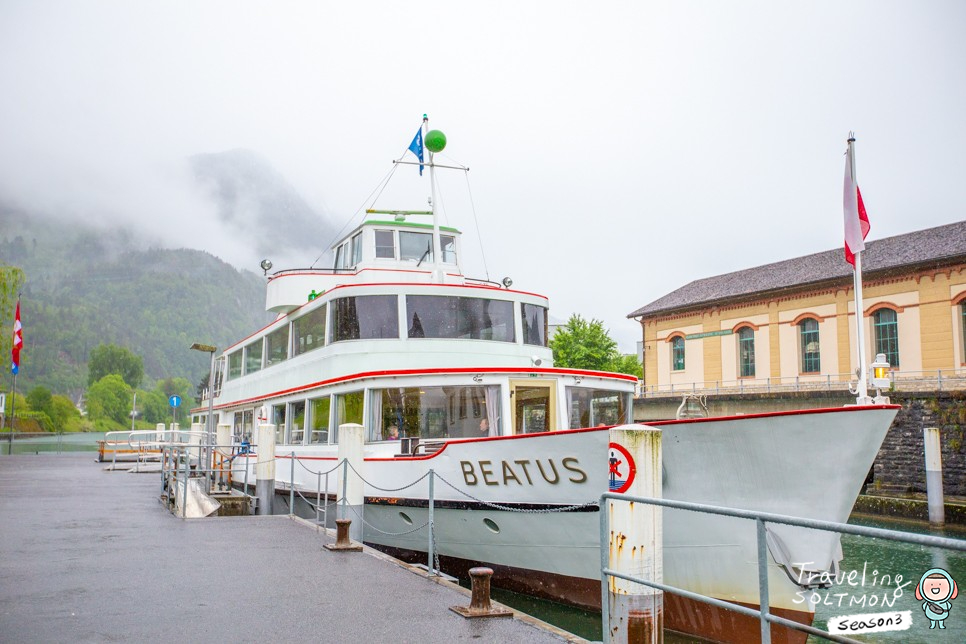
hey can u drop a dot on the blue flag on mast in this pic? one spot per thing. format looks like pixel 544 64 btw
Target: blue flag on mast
pixel 416 147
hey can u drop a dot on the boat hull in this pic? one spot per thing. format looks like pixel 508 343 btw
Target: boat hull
pixel 526 506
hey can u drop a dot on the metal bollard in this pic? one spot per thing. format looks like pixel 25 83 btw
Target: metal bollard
pixel 342 542
pixel 480 599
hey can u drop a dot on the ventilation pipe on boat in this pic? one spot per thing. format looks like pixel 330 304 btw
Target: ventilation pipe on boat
pixel 265 468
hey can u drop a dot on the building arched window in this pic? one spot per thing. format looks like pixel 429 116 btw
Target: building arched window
pixel 885 327
pixel 810 358
pixel 746 352
pixel 962 322
pixel 677 353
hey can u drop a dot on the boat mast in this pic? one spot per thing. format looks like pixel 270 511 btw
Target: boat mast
pixel 437 246
pixel 862 391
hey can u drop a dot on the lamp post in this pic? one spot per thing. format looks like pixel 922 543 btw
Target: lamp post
pixel 207 348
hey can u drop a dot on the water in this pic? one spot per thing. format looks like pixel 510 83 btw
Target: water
pixel 53 443
pixel 884 563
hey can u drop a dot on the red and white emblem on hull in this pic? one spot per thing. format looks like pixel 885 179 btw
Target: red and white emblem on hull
pixel 622 468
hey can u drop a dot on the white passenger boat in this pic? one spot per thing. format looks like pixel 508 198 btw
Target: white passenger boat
pixel 454 374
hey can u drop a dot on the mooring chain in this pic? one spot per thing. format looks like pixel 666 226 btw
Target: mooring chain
pixel 391 534
pixel 316 506
pixel 523 510
pixel 337 466
pixel 386 489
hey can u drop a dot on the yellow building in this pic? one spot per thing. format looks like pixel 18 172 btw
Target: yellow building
pixel 792 324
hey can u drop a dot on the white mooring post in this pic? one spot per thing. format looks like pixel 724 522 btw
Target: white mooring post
pixel 934 476
pixel 636 611
pixel 351 490
pixel 265 468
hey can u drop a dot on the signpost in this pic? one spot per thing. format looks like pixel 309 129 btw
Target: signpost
pixel 175 402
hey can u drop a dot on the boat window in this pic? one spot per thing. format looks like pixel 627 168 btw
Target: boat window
pixel 234 365
pixel 385 244
pixel 276 348
pixel 219 375
pixel 296 432
pixel 248 425
pixel 472 318
pixel 596 407
pixel 533 405
pixel 319 421
pixel 309 331
pixel 434 412
pixel 365 317
pixel 253 356
pixel 534 324
pixel 278 419
pixel 417 246
pixel 448 245
pixel 348 409
pixel 337 264
pixel 356 249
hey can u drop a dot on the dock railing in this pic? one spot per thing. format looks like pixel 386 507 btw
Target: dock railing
pixel 760 519
pixel 933 380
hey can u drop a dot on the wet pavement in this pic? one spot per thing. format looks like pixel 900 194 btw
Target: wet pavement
pixel 93 556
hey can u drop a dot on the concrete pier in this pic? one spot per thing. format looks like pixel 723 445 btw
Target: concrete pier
pixel 93 556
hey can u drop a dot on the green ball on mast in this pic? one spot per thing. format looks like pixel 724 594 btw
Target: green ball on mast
pixel 435 141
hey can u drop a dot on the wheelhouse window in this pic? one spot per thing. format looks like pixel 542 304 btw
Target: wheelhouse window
pixel 356 249
pixel 319 420
pixel 434 412
pixel 385 244
pixel 677 353
pixel 470 318
pixel 596 407
pixel 810 354
pixel 309 331
pixel 234 365
pixel 746 352
pixel 278 419
pixel 253 356
pixel 366 317
pixel 447 244
pixel 416 246
pixel 885 326
pixel 276 346
pixel 534 324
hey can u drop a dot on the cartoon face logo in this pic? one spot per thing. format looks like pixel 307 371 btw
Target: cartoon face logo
pixel 936 590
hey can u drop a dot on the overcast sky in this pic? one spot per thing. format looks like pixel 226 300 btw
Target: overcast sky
pixel 618 150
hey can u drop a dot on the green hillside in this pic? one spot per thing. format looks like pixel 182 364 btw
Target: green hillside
pixel 86 287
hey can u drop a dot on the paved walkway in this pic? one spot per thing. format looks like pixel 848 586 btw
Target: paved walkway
pixel 93 556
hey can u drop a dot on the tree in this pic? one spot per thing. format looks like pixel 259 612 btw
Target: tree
pixel 106 359
pixel 63 413
pixel 40 400
pixel 583 345
pixel 587 345
pixel 109 399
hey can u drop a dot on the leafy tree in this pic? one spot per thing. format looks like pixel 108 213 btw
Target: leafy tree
pixel 109 399
pixel 583 345
pixel 40 400
pixel 109 358
pixel 587 345
pixel 63 414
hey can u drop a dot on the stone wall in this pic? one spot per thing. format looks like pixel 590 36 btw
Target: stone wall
pixel 900 466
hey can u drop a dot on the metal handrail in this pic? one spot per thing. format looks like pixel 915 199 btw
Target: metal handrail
pixel 760 518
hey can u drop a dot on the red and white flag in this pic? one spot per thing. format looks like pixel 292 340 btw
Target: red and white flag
pixel 17 342
pixel 856 219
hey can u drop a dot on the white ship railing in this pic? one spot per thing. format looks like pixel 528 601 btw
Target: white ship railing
pixel 934 380
pixel 760 519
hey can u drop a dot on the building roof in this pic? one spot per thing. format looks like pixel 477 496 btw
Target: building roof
pixel 931 247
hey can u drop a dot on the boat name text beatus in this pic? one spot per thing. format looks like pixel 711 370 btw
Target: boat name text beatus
pixel 521 472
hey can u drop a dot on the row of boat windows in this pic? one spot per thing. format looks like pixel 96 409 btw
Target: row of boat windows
pixel 885 331
pixel 396 244
pixel 427 413
pixel 368 317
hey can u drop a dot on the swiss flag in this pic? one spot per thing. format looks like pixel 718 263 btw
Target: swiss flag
pixel 856 219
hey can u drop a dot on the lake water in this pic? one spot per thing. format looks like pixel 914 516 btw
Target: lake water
pixel 891 572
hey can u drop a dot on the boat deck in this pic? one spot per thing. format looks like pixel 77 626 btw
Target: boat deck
pixel 93 556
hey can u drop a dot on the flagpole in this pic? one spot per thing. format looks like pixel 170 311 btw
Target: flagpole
pixel 862 390
pixel 437 246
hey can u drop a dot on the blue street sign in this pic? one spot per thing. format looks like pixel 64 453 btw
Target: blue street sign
pixel 175 401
